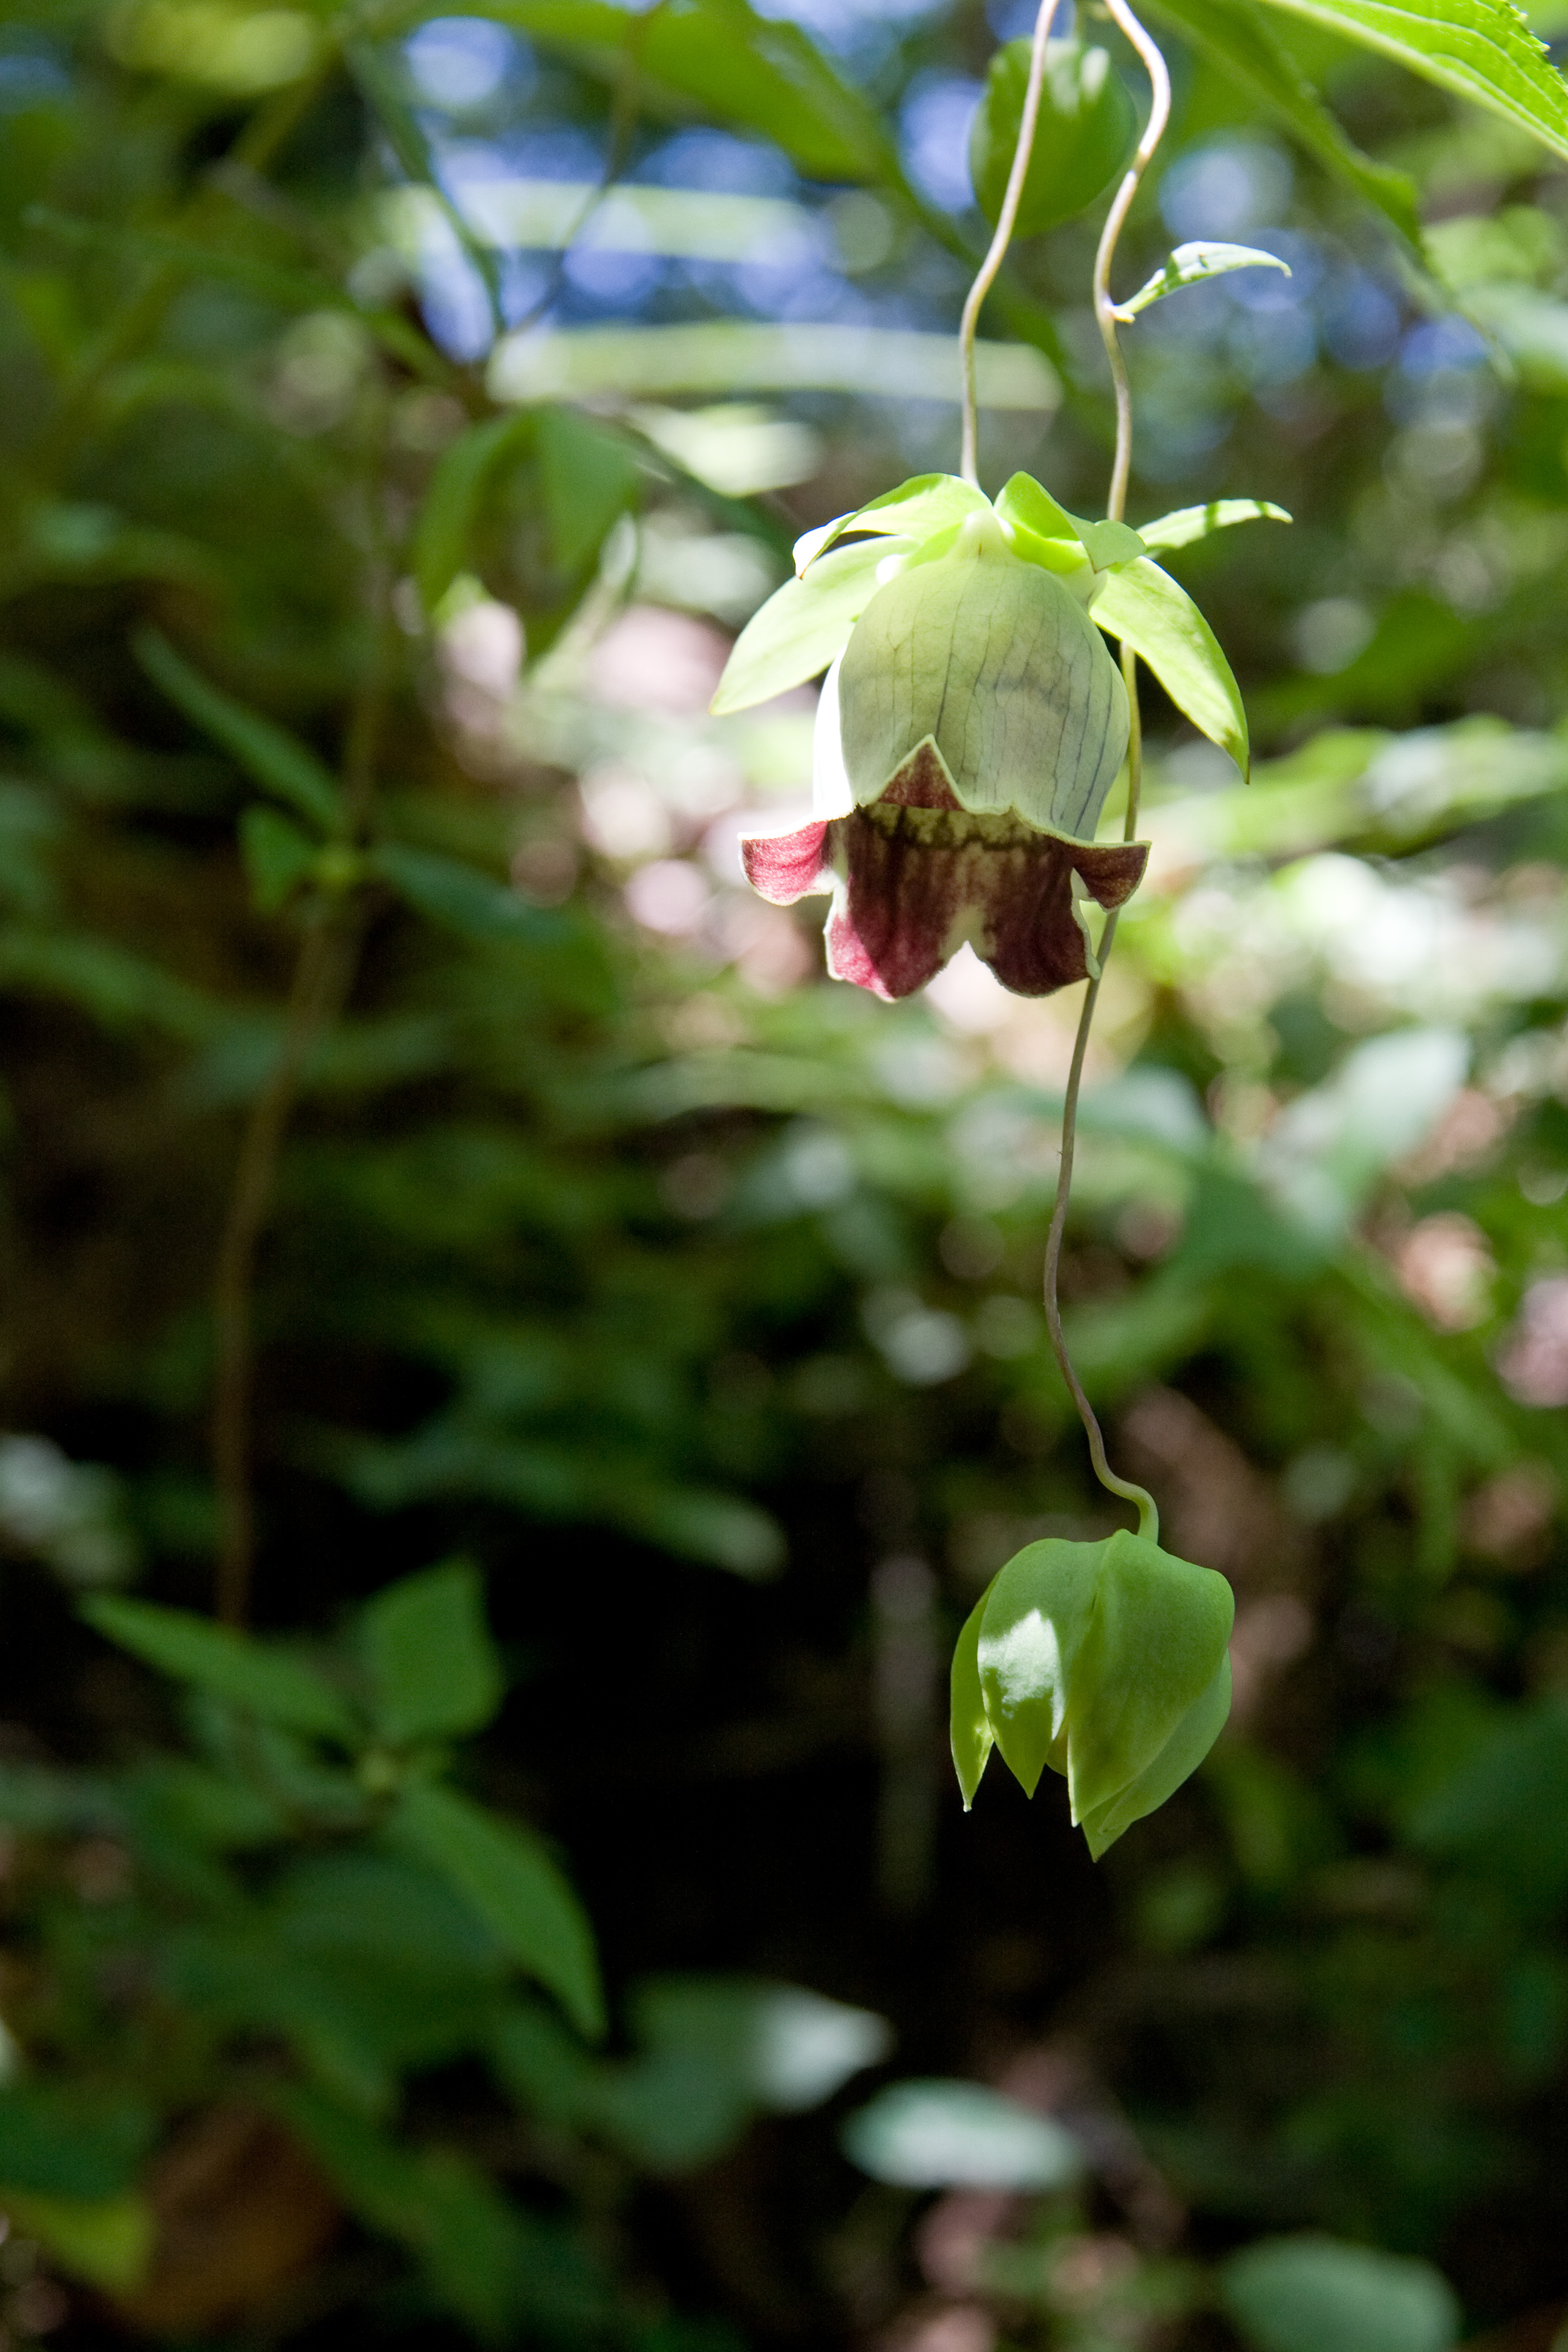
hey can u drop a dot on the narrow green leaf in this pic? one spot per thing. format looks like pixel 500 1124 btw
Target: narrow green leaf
pixel 453 499
pixel 1190 265
pixel 803 627
pixel 433 1667
pixel 233 1667
pixel 1145 609
pixel 1025 502
pixel 276 855
pixel 1188 524
pixel 1106 542
pixel 505 1871
pixel 1232 35
pixel 1480 49
pixel 268 753
pixel 927 503
pixel 970 1731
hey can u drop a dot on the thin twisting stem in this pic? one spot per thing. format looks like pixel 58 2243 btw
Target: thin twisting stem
pixel 968 326
pixel 1109 235
pixel 1115 507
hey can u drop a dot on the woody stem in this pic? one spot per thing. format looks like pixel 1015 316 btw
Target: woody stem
pixel 1115 507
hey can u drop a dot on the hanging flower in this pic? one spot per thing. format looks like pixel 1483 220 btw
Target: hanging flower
pixel 1108 1661
pixel 970 727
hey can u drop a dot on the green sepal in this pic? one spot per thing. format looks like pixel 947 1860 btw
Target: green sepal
pixel 1182 1754
pixel 1159 1632
pixel 1037 1620
pixel 1188 524
pixel 1026 503
pixel 804 626
pixel 970 1729
pixel 926 502
pixel 1145 609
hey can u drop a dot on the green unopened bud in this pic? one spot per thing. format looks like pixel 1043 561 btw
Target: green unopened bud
pixel 993 661
pixel 1108 1661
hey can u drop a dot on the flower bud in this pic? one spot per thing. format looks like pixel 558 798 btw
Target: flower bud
pixel 1109 1663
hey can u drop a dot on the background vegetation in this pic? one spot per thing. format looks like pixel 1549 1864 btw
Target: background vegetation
pixel 413 1127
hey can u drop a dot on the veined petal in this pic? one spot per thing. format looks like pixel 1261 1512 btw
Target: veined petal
pixel 784 867
pixel 919 876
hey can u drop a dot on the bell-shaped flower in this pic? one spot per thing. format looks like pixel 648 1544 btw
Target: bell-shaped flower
pixel 972 724
pixel 1108 1661
pixel 966 739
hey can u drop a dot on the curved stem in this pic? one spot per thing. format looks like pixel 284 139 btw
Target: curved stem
pixel 997 251
pixel 1115 507
pixel 1109 235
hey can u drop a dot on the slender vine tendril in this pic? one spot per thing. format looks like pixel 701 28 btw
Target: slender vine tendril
pixel 968 326
pixel 1115 507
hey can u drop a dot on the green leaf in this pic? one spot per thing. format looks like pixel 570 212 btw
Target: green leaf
pixel 1233 37
pixel 1108 542
pixel 589 477
pixel 233 1667
pixel 433 1667
pixel 803 627
pixel 276 855
pixel 1190 265
pixel 454 498
pixel 764 74
pixel 1188 524
pixel 1145 609
pixel 268 753
pixel 506 1874
pixel 970 1731
pixel 1027 503
pixel 1305 2294
pixel 107 2242
pixel 1480 49
pixel 915 510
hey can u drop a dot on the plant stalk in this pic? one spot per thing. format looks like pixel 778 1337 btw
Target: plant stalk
pixel 1115 507
pixel 969 325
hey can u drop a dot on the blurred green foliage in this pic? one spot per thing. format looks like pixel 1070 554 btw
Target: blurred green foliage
pixel 362 831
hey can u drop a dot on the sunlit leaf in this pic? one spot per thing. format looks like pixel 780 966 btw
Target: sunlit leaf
pixel 1192 265
pixel 1188 524
pixel 804 626
pixel 946 2134
pixel 1300 2294
pixel 1145 608
pixel 1480 49
pixel 915 510
pixel 1234 37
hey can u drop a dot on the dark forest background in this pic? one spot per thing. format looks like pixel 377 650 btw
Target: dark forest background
pixel 630 1341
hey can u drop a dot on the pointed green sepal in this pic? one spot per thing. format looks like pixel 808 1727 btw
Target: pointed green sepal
pixel 804 626
pixel 1182 1754
pixel 1145 609
pixel 925 503
pixel 1188 524
pixel 1038 1616
pixel 1159 1635
pixel 970 1729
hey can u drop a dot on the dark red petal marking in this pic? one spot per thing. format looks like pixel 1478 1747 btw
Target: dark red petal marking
pixel 784 867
